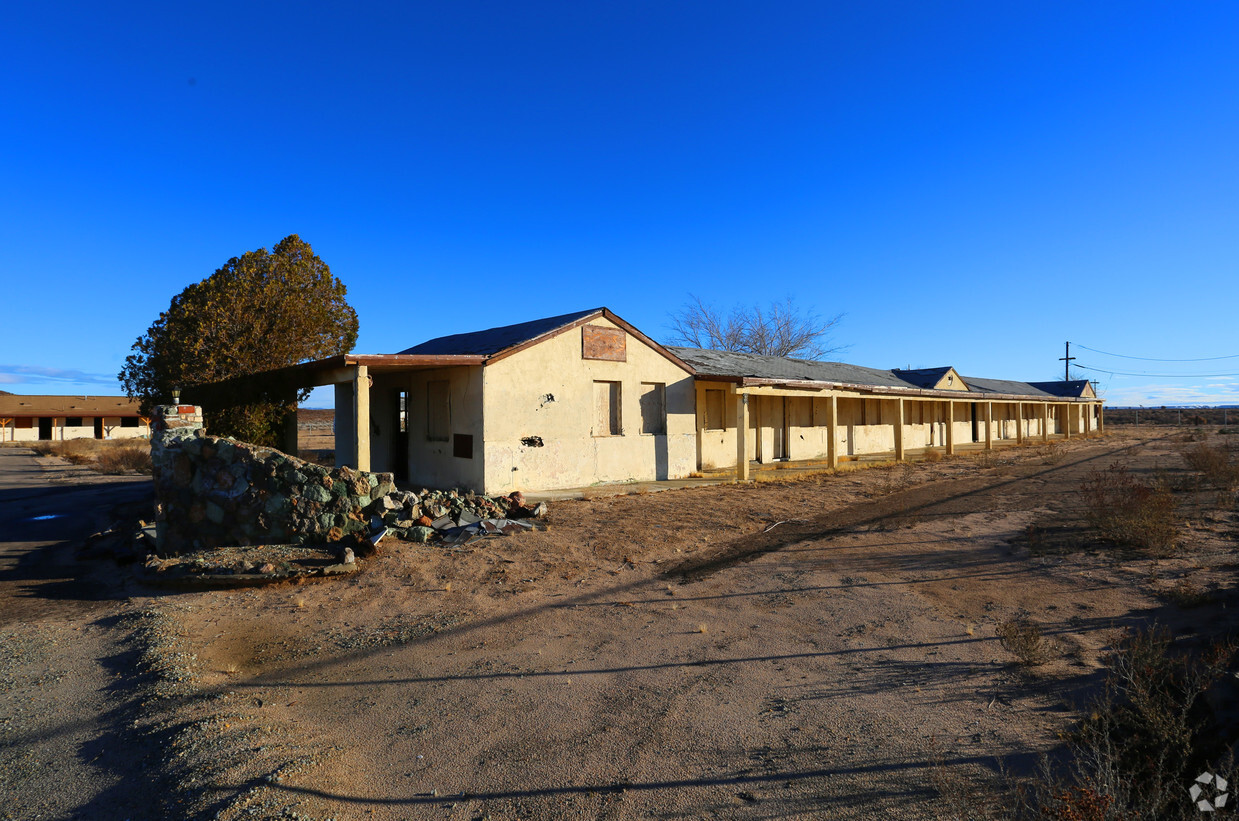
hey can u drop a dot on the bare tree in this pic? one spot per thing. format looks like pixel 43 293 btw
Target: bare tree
pixel 780 329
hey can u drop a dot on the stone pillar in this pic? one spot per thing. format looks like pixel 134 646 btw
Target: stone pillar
pixel 742 443
pixel 170 425
pixel 832 431
pixel 899 451
pixel 361 417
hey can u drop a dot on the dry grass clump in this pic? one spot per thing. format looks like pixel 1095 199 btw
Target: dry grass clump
pixel 931 455
pixel 1214 464
pixel 1022 638
pixel 1128 512
pixel 1142 744
pixel 111 456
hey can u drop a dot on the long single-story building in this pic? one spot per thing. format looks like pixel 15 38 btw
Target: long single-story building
pixel 48 418
pixel 585 398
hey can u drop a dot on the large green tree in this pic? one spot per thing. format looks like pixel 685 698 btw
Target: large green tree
pixel 260 311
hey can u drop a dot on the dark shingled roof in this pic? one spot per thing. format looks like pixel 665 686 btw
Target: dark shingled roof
pixel 1073 388
pixel 922 377
pixel 494 340
pixel 728 363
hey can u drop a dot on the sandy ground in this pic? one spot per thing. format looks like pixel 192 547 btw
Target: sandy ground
pixel 772 650
pixel 769 650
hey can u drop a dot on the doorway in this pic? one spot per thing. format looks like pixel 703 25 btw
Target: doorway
pixel 45 429
pixel 98 427
pixel 400 438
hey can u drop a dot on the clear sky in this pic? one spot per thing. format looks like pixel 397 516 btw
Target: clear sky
pixel 973 184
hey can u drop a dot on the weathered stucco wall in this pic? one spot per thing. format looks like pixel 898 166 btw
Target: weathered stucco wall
pixel 542 426
pixel 111 430
pixel 212 492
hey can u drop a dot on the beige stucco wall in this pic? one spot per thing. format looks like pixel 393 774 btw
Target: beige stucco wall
pixel 111 430
pixel 547 391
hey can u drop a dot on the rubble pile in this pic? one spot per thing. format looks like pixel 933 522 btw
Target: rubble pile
pixel 421 516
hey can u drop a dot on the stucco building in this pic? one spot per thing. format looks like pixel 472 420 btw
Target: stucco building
pixel 585 398
pixel 48 418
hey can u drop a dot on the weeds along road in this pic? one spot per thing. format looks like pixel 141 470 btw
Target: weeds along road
pixel 777 649
pixel 62 666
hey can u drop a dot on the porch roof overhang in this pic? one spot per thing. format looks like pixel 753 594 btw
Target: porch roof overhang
pixel 344 368
pixel 799 387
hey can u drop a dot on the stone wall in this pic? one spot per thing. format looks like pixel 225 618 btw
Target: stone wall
pixel 213 491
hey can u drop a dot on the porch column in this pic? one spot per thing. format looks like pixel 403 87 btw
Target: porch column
pixel 1066 421
pixel 742 444
pixel 1045 421
pixel 1019 423
pixel 899 432
pixel 1101 418
pixel 832 431
pixel 361 417
pixel 950 427
pixel 290 429
pixel 989 425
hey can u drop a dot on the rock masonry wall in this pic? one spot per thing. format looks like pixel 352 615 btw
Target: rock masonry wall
pixel 212 491
pixel 218 492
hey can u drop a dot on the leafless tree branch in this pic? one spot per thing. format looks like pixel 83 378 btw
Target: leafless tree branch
pixel 779 329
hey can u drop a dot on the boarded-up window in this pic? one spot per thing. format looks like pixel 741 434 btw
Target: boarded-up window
pixel 129 422
pixel 653 407
pixel 23 422
pixel 438 410
pixel 73 421
pixel 603 343
pixel 607 409
pixel 715 418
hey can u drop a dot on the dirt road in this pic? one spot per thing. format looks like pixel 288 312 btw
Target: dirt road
pixel 775 649
pixel 61 655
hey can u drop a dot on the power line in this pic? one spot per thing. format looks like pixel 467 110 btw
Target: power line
pixel 1158 375
pixel 1151 359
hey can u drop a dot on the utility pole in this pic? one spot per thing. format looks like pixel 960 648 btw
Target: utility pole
pixel 1066 360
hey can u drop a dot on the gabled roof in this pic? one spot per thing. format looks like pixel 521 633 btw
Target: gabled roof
pixel 732 366
pixel 496 343
pixel 494 340
pixel 1073 388
pixel 52 405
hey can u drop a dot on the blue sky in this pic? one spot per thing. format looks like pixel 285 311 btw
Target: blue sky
pixel 971 183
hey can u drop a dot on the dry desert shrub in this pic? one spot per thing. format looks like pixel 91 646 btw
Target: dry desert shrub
pixel 1142 744
pixel 125 457
pixel 1128 512
pixel 1022 638
pixel 932 455
pixel 1214 464
pixel 112 456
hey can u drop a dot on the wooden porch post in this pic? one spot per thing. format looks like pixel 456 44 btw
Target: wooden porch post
pixel 989 425
pixel 1045 421
pixel 832 431
pixel 361 417
pixel 1101 418
pixel 1019 423
pixel 1066 420
pixel 950 427
pixel 742 444
pixel 899 454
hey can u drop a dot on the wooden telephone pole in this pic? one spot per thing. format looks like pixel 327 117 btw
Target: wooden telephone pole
pixel 1066 360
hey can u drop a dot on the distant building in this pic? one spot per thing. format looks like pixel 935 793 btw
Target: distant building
pixel 54 418
pixel 586 398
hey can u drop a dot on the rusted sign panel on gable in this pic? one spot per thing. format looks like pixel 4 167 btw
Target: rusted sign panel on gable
pixel 603 343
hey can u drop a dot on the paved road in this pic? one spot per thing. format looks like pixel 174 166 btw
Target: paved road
pixel 63 691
